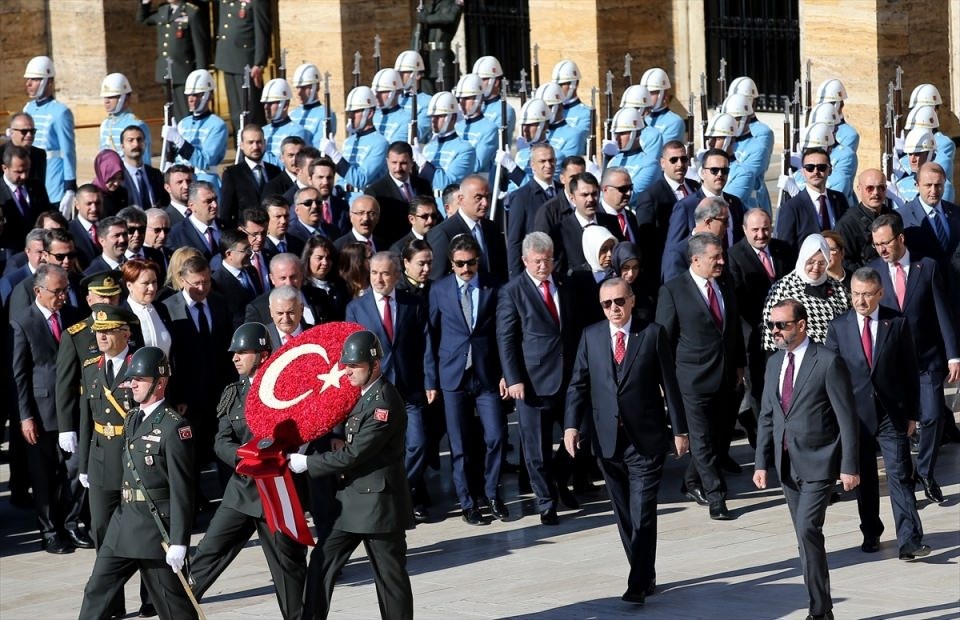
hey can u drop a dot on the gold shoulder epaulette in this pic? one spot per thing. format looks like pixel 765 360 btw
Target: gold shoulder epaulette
pixel 76 328
pixel 92 360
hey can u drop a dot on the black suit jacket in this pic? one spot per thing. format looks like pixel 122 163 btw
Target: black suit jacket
pixel 14 234
pixel 23 296
pixel 38 163
pixel 235 294
pixel 682 222
pixel 393 207
pixel 568 241
pixel 155 180
pixel 549 214
pixel 238 190
pixel 97 265
pixel 797 218
pixel 494 259
pixel 270 249
pixel 654 206
pixel 379 245
pixel 922 239
pixel 279 184
pixel 175 218
pixel 82 243
pixel 750 281
pixel 323 310
pixel 185 233
pixel 522 206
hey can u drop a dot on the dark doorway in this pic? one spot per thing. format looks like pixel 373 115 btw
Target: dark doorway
pixel 499 28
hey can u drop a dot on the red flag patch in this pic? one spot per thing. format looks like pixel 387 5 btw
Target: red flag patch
pixel 381 414
pixel 185 432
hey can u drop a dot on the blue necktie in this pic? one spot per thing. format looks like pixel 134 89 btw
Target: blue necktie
pixel 940 229
pixel 245 281
pixel 282 246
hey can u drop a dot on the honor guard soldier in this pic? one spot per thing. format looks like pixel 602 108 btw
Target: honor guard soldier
pixel 631 153
pixel 54 124
pixel 364 156
pixel 490 71
pixel 751 155
pixel 115 90
pixel 638 97
pixel 311 113
pixel 577 113
pixel 566 140
pixel 928 95
pixel 391 119
pixel 833 91
pixel 534 116
pixel 276 104
pixel 200 138
pixel 150 530
pixel 447 158
pixel 918 148
pixel 441 18
pixel 668 122
pixel 241 512
pixel 475 128
pixel 243 40
pixel 375 499
pixel 183 37
pixel 925 116
pixel 410 65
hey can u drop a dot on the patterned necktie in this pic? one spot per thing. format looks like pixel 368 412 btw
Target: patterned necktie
pixel 282 246
pixel 867 341
pixel 466 304
pixel 21 200
pixel 824 214
pixel 940 229
pixel 405 190
pixel 900 284
pixel 767 265
pixel 549 192
pixel 786 390
pixel 714 304
pixel 54 322
pixel 327 212
pixel 387 318
pixel 620 348
pixel 548 300
pixel 143 189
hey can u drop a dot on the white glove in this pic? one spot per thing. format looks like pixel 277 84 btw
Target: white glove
pixel 329 148
pixel 505 159
pixel 788 184
pixel 418 157
pixel 898 167
pixel 610 148
pixel 522 143
pixel 171 134
pixel 349 127
pixel 68 442
pixel 593 167
pixel 175 557
pixel 84 481
pixel 297 463
pixel 66 204
pixel 898 144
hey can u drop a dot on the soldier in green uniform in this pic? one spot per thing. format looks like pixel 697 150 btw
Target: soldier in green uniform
pixel 183 37
pixel 241 513
pixel 150 529
pixel 376 509
pixel 440 18
pixel 243 39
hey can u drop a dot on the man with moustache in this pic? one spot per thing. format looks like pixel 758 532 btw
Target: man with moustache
pixel 143 182
pixel 854 225
pixel 364 215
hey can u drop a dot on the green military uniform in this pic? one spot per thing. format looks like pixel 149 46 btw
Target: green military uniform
pixel 243 39
pixel 184 38
pixel 78 348
pixel 241 513
pixel 160 446
pixel 441 19
pixel 375 499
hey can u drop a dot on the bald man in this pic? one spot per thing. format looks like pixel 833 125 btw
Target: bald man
pixel 854 224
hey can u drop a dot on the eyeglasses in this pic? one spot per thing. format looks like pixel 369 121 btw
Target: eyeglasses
pixel 427 216
pixel 874 188
pixel 718 171
pixel 370 214
pixel 460 264
pixel 62 257
pixel 817 167
pixel 136 230
pixel 884 244
pixel 606 303
pixel 309 202
pixel 246 251
pixel 160 229
pixel 56 292
pixel 681 158
pixel 623 189
pixel 779 325
pixel 198 284
pixel 255 235
pixel 864 294
pixel 720 219
pixel 817 263
pixel 24 132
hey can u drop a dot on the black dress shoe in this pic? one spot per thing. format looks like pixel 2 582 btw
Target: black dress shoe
pixel 420 514
pixel 473 516
pixel 719 512
pixel 871 544
pixel 117 613
pixel 651 588
pixel 637 597
pixel 697 495
pixel 728 465
pixel 509 468
pixel 567 498
pixel 23 501
pixel 826 616
pixel 147 610
pixel 931 489
pixel 920 552
pixel 499 510
pixel 56 545
pixel 79 539
pixel 549 517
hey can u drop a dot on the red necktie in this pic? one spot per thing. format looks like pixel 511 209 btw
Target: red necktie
pixel 900 286
pixel 54 322
pixel 327 213
pixel 867 341
pixel 548 299
pixel 714 306
pixel 93 235
pixel 824 214
pixel 683 190
pixel 387 318
pixel 786 390
pixel 767 265
pixel 623 224
pixel 255 259
pixel 619 349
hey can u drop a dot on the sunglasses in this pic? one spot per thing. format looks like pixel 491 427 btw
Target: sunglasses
pixel 160 229
pixel 309 202
pixel 681 158
pixel 874 188
pixel 718 171
pixel 62 257
pixel 136 230
pixel 817 167
pixel 779 325
pixel 427 216
pixel 25 132
pixel 623 189
pixel 606 303
pixel 466 263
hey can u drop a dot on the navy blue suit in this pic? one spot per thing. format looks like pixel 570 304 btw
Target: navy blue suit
pixel 921 239
pixel 184 233
pixel 682 221
pixel 522 206
pixel 797 218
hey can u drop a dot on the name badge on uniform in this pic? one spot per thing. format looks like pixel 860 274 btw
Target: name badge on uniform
pixel 153 438
pixel 381 414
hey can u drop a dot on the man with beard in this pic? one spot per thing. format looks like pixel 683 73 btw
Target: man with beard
pixel 144 183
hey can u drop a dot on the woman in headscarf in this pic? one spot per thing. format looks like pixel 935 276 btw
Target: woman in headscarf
pixel 822 296
pixel 627 263
pixel 108 169
pixel 598 245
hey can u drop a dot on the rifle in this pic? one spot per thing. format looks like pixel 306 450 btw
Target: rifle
pixel 440 83
pixel 592 136
pixel 796 115
pixel 807 96
pixel 722 79
pixel 244 111
pixel 356 68
pixel 688 126
pixel 413 131
pixel 703 108
pixel 376 52
pixel 608 122
pixel 498 177
pixel 326 105
pixel 897 101
pixel 456 63
pixel 418 30
pixel 886 160
pixel 627 70
pixel 282 69
pixel 785 155
pixel 523 87
pixel 167 151
pixel 536 66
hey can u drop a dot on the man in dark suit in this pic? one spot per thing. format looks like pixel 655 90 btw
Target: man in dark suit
pixel 88 209
pixel 290 147
pixel 754 263
pixel 698 310
pixel 584 191
pixel 305 157
pixel 176 183
pixel 815 208
pixel 136 219
pixel 616 188
pixel 22 132
pixel 550 213
pixel 422 216
pixel 113 241
pixel 808 429
pixel 200 230
pixel 399 320
pixel 334 210
pixel 243 183
pixel 364 215
pixel 307 221
pixel 623 376
pixel 473 200
pixel 277 241
pixel 854 225
pixel 919 293
pixel 144 183
pixel 21 199
pixel 522 204
pixel 35 336
pixel 395 191
pixel 712 215
pixel 931 224
pixel 876 344
pixel 10 282
pixel 287 270
pixel 57 250
pixel 534 323
pixel 235 279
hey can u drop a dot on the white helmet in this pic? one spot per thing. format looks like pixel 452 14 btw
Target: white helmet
pixel 925 94
pixel 361 98
pixel 116 85
pixel 444 104
pixel 277 90
pixel 824 113
pixel 552 94
pixel 307 74
pixel 470 86
pixel 410 61
pixel 739 107
pixel 567 72
pixel 636 96
pixel 922 116
pixel 919 140
pixel 387 81
pixel 627 120
pixel 745 86
pixel 488 68
pixel 832 91
pixel 817 135
pixel 724 126
pixel 656 80
pixel 199 82
pixel 535 112
pixel 40 67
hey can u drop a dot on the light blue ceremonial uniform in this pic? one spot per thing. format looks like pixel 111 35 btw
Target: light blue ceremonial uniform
pixel 112 127
pixel 644 169
pixel 652 141
pixel 764 135
pixel 522 175
pixel 844 163
pixel 273 135
pixel 310 117
pixel 204 145
pixel 423 121
pixel 577 115
pixel 491 110
pixel 484 136
pixel 394 124
pixel 566 141
pixel 747 169
pixel 54 123
pixel 669 123
pixel 364 159
pixel 848 136
pixel 450 159
pixel 946 152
